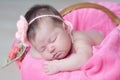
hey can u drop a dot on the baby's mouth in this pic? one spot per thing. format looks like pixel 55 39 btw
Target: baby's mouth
pixel 55 56
pixel 58 55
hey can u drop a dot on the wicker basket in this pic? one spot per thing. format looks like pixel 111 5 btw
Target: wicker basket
pixel 70 8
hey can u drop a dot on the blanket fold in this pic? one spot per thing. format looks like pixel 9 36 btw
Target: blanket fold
pixel 105 63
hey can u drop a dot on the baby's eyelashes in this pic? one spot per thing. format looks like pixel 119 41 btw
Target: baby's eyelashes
pixel 51 40
pixel 42 48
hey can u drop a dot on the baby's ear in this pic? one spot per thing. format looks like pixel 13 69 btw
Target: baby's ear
pixel 67 26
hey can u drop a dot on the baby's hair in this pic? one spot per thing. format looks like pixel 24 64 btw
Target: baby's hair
pixel 39 10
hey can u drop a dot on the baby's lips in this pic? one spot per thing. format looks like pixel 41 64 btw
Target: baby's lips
pixel 60 54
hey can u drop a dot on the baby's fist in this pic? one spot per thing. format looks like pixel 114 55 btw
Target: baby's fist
pixel 51 67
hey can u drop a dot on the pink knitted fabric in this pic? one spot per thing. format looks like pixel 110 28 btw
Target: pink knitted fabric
pixel 105 62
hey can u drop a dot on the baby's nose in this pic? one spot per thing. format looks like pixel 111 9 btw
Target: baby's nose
pixel 51 48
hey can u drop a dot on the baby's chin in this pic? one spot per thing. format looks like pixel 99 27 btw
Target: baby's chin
pixel 59 58
pixel 53 59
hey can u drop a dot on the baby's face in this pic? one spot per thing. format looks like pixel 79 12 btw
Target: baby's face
pixel 52 42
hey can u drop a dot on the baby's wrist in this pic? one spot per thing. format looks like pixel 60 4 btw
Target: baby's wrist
pixel 58 64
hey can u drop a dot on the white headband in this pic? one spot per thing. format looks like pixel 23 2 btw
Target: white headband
pixel 45 16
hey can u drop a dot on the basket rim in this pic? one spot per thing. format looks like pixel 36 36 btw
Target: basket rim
pixel 115 19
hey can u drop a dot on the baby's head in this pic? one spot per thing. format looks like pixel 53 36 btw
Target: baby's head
pixel 47 32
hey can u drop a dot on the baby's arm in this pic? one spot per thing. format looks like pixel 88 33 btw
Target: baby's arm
pixel 74 62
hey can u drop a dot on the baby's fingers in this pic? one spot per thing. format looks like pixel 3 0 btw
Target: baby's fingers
pixel 46 70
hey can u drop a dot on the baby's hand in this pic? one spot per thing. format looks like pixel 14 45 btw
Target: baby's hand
pixel 51 67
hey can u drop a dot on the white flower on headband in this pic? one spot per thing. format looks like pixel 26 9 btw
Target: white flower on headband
pixel 21 34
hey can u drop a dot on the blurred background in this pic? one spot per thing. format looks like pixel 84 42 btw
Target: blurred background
pixel 10 10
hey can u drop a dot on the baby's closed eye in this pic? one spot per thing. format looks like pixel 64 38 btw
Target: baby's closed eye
pixel 52 39
pixel 42 48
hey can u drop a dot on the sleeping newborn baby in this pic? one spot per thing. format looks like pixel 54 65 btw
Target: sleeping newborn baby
pixel 52 38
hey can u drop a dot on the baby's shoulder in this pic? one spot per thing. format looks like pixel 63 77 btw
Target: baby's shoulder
pixel 76 35
pixel 91 36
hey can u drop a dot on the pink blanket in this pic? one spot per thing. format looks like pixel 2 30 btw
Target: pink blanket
pixel 105 62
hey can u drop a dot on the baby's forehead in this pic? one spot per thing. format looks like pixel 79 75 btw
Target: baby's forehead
pixel 45 30
pixel 45 34
pixel 50 21
pixel 47 27
pixel 44 23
